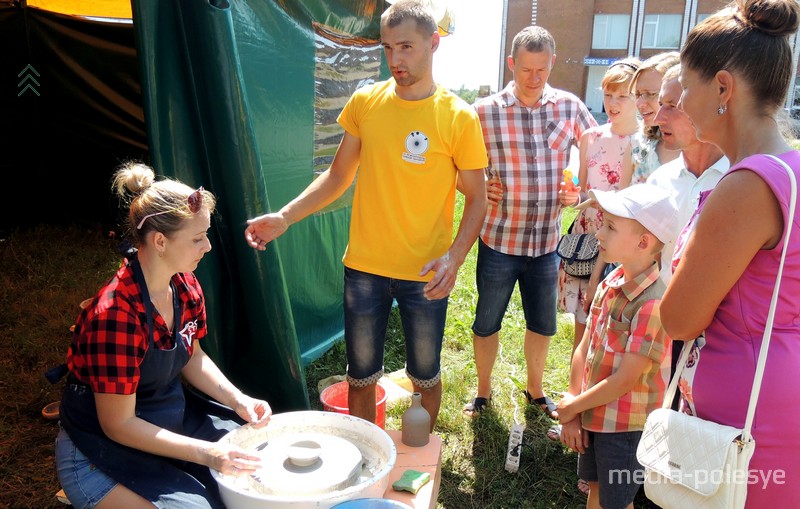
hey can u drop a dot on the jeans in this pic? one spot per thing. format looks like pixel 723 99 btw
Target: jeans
pixel 368 302
pixel 497 274
pixel 83 483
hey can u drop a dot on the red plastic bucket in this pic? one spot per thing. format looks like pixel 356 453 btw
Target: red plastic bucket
pixel 334 399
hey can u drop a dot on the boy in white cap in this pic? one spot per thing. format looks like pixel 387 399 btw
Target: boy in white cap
pixel 620 370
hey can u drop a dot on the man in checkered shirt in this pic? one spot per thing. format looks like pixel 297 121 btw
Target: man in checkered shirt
pixel 529 128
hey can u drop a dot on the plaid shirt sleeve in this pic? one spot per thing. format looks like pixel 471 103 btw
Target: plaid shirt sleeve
pixel 584 120
pixel 109 341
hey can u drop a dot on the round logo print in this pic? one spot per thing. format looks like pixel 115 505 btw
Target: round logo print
pixel 416 143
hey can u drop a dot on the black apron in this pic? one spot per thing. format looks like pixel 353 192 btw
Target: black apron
pixel 161 399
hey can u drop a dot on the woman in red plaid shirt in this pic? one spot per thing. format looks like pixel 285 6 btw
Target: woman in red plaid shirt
pixel 132 435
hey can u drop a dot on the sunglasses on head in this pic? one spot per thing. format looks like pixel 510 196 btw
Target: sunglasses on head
pixel 194 201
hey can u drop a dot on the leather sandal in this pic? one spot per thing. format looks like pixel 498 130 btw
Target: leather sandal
pixel 545 404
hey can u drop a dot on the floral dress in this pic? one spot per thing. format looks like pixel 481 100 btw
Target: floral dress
pixel 645 157
pixel 605 153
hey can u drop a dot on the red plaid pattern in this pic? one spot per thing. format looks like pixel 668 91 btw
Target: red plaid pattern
pixel 111 335
pixel 529 148
pixel 612 338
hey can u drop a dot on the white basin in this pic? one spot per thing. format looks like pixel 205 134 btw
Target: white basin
pixel 376 446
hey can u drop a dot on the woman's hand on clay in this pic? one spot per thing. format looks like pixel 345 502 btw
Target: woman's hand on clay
pixel 231 460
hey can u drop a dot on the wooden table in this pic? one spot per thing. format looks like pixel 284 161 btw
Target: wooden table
pixel 422 459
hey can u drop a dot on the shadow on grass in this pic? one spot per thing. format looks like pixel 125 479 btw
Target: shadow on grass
pixel 544 478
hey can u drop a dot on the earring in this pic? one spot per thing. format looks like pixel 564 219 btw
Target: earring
pixel 722 109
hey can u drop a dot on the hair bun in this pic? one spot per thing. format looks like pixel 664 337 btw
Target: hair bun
pixel 773 17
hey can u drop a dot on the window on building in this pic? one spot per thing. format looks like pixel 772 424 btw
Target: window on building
pixel 610 31
pixel 662 31
pixel 701 17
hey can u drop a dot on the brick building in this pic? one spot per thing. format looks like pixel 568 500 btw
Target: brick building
pixel 590 34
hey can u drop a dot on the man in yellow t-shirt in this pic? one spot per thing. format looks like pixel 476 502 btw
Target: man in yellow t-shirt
pixel 410 141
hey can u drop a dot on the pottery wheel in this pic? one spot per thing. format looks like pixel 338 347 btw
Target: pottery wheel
pixel 308 464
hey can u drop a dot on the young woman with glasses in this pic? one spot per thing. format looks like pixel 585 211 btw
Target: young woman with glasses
pixel 648 151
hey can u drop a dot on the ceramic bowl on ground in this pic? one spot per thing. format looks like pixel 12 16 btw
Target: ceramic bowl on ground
pixel 51 411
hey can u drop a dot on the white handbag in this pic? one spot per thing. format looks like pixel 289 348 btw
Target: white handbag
pixel 691 462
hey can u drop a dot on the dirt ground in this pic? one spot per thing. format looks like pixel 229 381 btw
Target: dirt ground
pixel 44 274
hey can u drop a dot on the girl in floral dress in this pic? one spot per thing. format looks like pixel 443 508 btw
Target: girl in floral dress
pixel 605 164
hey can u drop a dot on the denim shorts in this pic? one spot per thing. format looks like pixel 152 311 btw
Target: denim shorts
pixel 368 300
pixel 497 274
pixel 83 483
pixel 610 460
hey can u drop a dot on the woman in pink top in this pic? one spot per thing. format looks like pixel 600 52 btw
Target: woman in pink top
pixel 736 70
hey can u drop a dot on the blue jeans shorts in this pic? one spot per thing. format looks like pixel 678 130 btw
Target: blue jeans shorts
pixel 497 274
pixel 83 483
pixel 610 461
pixel 368 302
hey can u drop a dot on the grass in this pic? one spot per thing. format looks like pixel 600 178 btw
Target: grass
pixel 47 271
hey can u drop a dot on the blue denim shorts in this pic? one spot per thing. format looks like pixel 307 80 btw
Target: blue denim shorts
pixel 368 300
pixel 497 274
pixel 83 483
pixel 610 461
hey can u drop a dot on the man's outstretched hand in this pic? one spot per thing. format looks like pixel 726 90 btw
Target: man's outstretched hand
pixel 262 230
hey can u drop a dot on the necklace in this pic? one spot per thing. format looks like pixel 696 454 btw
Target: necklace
pixel 162 300
pixel 164 307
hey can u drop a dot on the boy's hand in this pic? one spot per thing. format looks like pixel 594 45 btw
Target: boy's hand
pixel 565 412
pixel 572 436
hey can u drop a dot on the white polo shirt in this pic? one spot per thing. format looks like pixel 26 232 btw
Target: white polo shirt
pixel 686 188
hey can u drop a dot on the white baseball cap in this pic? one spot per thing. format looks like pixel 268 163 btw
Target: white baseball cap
pixel 652 206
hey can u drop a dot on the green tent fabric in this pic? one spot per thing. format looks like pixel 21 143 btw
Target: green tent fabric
pixel 242 98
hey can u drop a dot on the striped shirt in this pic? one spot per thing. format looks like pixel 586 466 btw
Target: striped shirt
pixel 529 148
pixel 624 320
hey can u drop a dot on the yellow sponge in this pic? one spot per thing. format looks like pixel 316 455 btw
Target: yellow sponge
pixel 411 480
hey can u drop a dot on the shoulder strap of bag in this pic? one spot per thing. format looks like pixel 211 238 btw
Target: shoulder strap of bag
pixel 669 397
pixel 762 354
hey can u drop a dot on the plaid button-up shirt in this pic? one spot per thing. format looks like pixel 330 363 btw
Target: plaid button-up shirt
pixel 529 148
pixel 111 335
pixel 625 320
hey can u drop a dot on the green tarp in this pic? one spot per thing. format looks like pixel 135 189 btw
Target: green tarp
pixel 242 98
pixel 239 97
